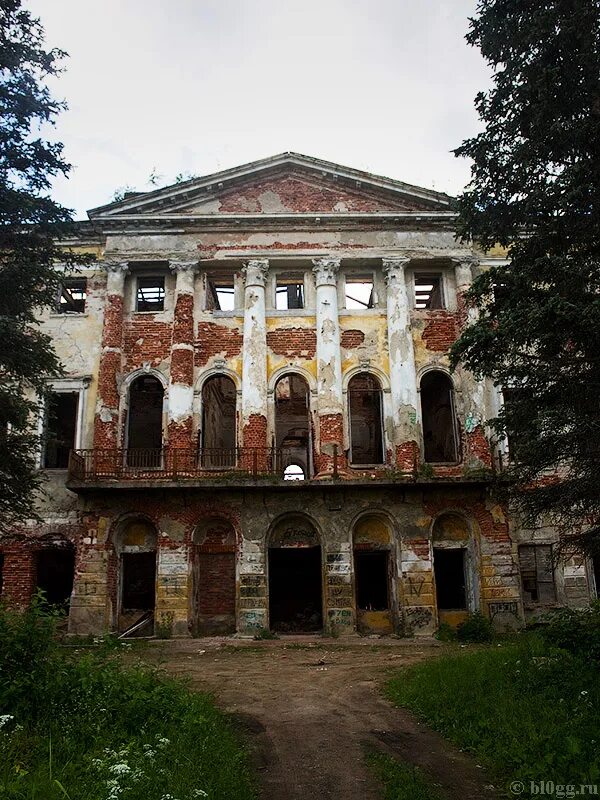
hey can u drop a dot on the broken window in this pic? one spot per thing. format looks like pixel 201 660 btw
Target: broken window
pixel 439 421
pixel 71 296
pixel 55 569
pixel 428 291
pixel 450 578
pixel 150 295
pixel 292 423
pixel 366 431
pixel 220 294
pixel 60 429
pixel 293 472
pixel 537 574
pixel 371 571
pixel 289 294
pixel 359 291
pixel 144 422
pixel 218 433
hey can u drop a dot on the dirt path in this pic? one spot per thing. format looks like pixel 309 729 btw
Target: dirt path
pixel 310 708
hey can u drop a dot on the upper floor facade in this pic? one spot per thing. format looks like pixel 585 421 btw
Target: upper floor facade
pixel 290 318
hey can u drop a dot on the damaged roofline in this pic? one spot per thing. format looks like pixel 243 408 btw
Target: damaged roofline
pixel 188 190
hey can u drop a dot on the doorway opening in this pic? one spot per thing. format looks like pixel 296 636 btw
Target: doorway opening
pixel 55 570
pixel 295 590
pixel 450 582
pixel 144 423
pixel 137 548
pixel 292 423
pixel 213 578
pixel 218 435
pixel 372 592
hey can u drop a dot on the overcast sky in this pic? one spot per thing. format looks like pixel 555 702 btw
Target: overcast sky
pixel 195 86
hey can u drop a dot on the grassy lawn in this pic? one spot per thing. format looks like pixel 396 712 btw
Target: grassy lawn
pixel 401 781
pixel 529 711
pixel 79 726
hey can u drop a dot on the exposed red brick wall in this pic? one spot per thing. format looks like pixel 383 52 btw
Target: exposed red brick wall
pixel 441 331
pixel 331 431
pixel 407 456
pixel 216 339
pixel 478 446
pixel 180 435
pixel 105 433
pixel 255 435
pixel 182 366
pixel 293 342
pixel 216 577
pixel 183 324
pixel 351 339
pixel 18 575
pixel 145 339
pixel 298 194
pixel 112 331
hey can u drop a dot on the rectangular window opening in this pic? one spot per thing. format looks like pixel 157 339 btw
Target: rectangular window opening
pixel 537 574
pixel 428 292
pixel 72 296
pixel 289 294
pixel 450 578
pixel 61 423
pixel 371 568
pixel 150 294
pixel 220 294
pixel 359 291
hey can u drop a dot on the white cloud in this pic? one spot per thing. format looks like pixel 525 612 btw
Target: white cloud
pixel 200 85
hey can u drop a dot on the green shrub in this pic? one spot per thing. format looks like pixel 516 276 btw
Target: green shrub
pixel 265 634
pixel 446 633
pixel 476 628
pixel 577 631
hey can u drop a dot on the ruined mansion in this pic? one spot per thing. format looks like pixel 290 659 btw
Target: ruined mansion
pixel 258 428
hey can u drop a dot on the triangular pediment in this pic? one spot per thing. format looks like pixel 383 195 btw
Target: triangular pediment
pixel 285 184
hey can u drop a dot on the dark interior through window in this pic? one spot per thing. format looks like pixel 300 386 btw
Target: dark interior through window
pixel 144 440
pixel 439 424
pixel 150 293
pixel 366 433
pixel 218 422
pixel 289 294
pixel 61 423
pixel 449 570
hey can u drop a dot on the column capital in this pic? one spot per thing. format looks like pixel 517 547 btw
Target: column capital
pixel 393 268
pixel 182 266
pixel 255 271
pixel 114 266
pixel 463 270
pixel 326 269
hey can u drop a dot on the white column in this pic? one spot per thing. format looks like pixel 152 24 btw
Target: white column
pixel 329 366
pixel 403 376
pixel 254 361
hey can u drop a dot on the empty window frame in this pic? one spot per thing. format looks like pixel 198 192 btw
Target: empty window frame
pixel 289 294
pixel 537 574
pixel 450 578
pixel 72 296
pixel 220 293
pixel 366 430
pixel 372 585
pixel 359 291
pixel 60 428
pixel 150 293
pixel 428 291
pixel 218 434
pixel 440 441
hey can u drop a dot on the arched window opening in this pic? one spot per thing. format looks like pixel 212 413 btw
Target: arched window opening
pixel 218 432
pixel 440 442
pixel 366 431
pixel 292 423
pixel 293 472
pixel 136 546
pixel 295 577
pixel 55 570
pixel 145 422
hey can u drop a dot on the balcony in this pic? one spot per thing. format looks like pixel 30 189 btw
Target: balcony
pixel 127 467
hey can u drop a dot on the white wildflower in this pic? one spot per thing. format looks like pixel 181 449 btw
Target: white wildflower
pixel 120 769
pixel 5 718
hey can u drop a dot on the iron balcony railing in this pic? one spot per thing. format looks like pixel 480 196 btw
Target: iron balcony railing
pixel 173 463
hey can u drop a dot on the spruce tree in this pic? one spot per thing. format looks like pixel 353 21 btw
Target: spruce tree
pixel 31 223
pixel 535 190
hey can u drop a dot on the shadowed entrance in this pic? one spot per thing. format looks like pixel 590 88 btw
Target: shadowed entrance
pixel 295 577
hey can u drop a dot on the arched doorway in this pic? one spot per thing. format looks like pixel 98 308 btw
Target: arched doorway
pixel 440 441
pixel 55 572
pixel 372 546
pixel 295 577
pixel 218 431
pixel 136 547
pixel 213 578
pixel 292 424
pixel 452 559
pixel 365 419
pixel 145 422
